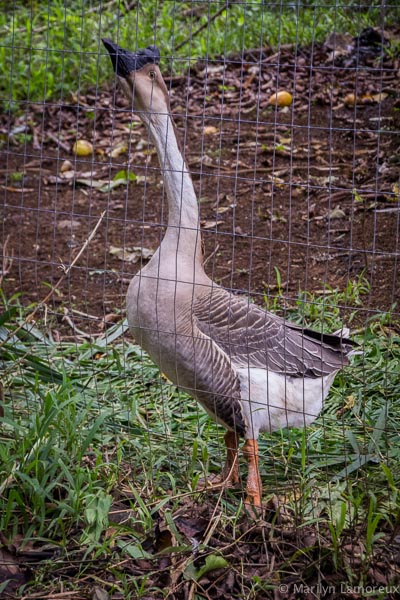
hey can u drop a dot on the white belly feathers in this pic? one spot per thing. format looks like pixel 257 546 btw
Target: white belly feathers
pixel 273 401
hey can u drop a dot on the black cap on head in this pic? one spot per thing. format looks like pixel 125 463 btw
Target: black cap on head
pixel 125 61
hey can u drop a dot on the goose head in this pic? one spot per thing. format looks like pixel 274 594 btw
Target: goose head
pixel 141 80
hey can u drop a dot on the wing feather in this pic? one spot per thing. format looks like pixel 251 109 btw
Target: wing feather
pixel 252 337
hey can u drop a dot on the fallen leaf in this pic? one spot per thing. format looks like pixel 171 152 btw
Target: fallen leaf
pixel 68 224
pixel 340 43
pixel 119 148
pixel 212 563
pixel 66 166
pixel 209 224
pixel 191 527
pixel 100 594
pixel 11 574
pixel 394 194
pixel 337 213
pixel 207 160
pixel 134 551
pixel 142 178
pixel 210 130
pixel 379 97
pixel 367 99
pixel 106 185
pixel 93 183
pixel 133 254
pixel 328 180
pixel 212 69
pixel 112 318
pixel 68 175
pixel 164 539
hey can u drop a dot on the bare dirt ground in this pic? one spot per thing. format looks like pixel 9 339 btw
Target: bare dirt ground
pixel 312 190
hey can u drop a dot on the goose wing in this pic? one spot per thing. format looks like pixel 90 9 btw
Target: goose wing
pixel 252 337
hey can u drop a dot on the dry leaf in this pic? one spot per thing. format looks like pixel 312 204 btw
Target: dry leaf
pixel 12 576
pixel 67 175
pixel 105 185
pixel 337 213
pixel 66 166
pixel 93 183
pixel 395 195
pixel 100 594
pixel 207 160
pixel 379 97
pixel 67 224
pixel 133 254
pixel 209 224
pixel 119 148
pixel 212 69
pixel 367 99
pixel 210 130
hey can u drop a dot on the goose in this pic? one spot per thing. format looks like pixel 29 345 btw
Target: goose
pixel 250 369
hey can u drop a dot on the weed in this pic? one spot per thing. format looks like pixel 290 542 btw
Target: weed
pixel 84 420
pixel 55 50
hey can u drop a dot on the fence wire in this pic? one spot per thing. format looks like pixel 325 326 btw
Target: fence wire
pixel 287 120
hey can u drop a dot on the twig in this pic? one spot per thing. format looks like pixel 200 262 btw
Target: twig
pixel 67 270
pixel 7 261
pixel 51 596
pixel 74 328
pixel 14 190
pixel 210 20
pixel 210 256
pixel 86 315
pixel 59 142
pixel 388 210
pixel 130 6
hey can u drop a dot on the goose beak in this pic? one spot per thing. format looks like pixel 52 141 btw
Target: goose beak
pixel 125 61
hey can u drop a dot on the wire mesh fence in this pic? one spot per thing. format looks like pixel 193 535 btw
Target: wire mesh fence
pixel 285 116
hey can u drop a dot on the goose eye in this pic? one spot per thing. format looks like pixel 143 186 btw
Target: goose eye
pixel 152 74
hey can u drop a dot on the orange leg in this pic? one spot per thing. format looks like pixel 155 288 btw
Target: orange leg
pixel 253 487
pixel 230 471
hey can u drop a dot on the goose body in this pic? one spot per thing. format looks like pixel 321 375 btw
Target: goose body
pixel 240 385
pixel 251 370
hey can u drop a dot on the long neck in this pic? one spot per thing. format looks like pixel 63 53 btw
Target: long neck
pixel 183 211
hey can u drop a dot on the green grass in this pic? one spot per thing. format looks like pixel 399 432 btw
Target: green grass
pixel 87 424
pixel 53 49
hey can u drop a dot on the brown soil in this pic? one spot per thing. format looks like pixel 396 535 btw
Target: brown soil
pixel 275 185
